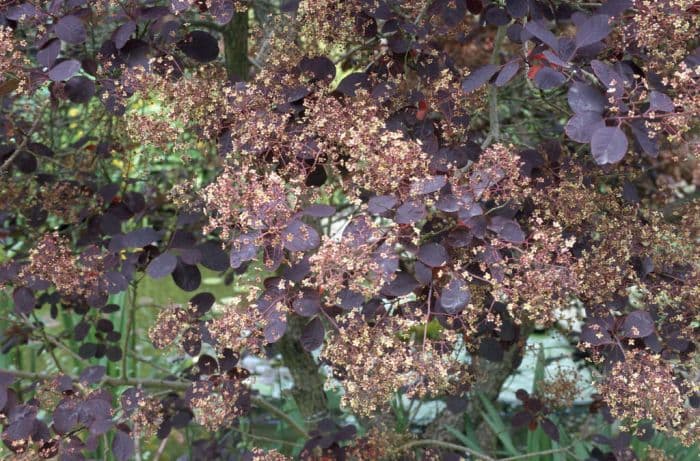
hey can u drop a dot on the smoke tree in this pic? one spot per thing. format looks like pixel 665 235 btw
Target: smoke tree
pixel 400 192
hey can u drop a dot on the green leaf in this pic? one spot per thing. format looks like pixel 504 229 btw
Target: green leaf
pixel 467 439
pixel 495 422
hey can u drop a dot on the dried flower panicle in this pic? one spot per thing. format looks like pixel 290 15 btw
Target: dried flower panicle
pixel 346 264
pixel 380 442
pixel 497 175
pixel 663 29
pixel 52 260
pixel 238 329
pixel 218 401
pixel 542 276
pixel 643 387
pixel 377 360
pixel 169 325
pixel 258 454
pixel 12 62
pixel 560 389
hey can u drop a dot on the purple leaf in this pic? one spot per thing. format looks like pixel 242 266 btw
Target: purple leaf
pixel 507 229
pixel 192 341
pixel 123 33
pixel 402 285
pixel 24 300
pixel 517 8
pixel 478 77
pixel 64 70
pixel 80 89
pixel 491 350
pixel 608 77
pixel 48 53
pixel 646 142
pixel 200 46
pixel 585 98
pixel 638 324
pixel 222 11
pixel 550 429
pixel 162 265
pixel 70 29
pixel 432 255
pixel 542 33
pixel 312 335
pixel 122 446
pixel 410 212
pixel 659 102
pixel 202 302
pixel 381 204
pixel 22 419
pixel 139 238
pixel 275 328
pixel 319 211
pixel 608 145
pixel 581 126
pixel 596 333
pixel 521 418
pixel 428 185
pixel 593 30
pixel 22 11
pixel 187 277
pixel 455 296
pixel 507 72
pixel 308 305
pixel 178 6
pixel 548 78
pixel 243 248
pixel 298 236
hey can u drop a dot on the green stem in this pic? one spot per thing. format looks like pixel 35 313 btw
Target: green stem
pixel 235 35
pixel 447 445
pixel 131 305
pixel 494 123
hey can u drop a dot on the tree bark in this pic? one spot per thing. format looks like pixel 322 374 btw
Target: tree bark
pixel 308 390
pixel 489 381
pixel 235 35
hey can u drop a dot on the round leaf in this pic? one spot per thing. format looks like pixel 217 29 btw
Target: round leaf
pixel 298 236
pixel 312 335
pixel 608 145
pixel 585 98
pixel 64 70
pixel 638 324
pixel 478 77
pixel 432 255
pixel 581 126
pixel 455 296
pixel 70 29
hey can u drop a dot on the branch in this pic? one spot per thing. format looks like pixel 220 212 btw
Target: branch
pixel 175 385
pixel 23 144
pixel 455 447
pixel 447 445
pixel 494 124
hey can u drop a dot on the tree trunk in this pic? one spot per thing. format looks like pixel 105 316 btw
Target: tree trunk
pixel 235 35
pixel 308 391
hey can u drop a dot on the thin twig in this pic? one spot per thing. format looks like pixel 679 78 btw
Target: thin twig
pixel 127 331
pixel 494 124
pixel 23 144
pixel 447 445
pixel 161 448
